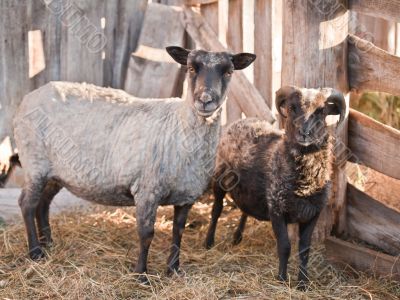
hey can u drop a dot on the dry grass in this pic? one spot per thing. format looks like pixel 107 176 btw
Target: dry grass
pixel 94 249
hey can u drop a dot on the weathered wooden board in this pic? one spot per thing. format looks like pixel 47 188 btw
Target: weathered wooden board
pixel 372 221
pixel 374 144
pixel 152 73
pixel 247 96
pixel 195 2
pixel 385 9
pixel 14 69
pixel 210 12
pixel 46 19
pixel 263 68
pixel 379 31
pixel 371 68
pixel 315 55
pixel 235 43
pixel 82 41
pixel 123 22
pixel 343 253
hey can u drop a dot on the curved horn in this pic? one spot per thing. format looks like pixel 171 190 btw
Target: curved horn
pixel 281 95
pixel 336 104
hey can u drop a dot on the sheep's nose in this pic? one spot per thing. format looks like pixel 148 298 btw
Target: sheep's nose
pixel 304 133
pixel 205 98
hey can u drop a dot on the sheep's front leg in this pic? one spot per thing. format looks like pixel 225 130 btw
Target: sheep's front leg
pixel 146 212
pixel 180 217
pixel 279 227
pixel 219 195
pixel 305 232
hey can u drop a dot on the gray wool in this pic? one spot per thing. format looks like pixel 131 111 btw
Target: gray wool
pixel 107 146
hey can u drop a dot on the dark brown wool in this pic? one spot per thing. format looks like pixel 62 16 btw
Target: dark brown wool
pixel 281 176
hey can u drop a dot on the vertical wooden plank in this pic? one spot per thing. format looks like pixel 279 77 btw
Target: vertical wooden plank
pixel 315 55
pixel 276 47
pixel 235 25
pixel 235 43
pixel 210 14
pixel 14 69
pixel 397 52
pixel 263 48
pixel 150 65
pixel 46 19
pixel 123 22
pixel 82 41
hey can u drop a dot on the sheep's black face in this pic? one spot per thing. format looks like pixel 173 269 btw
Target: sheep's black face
pixel 209 74
pixel 306 110
pixel 307 119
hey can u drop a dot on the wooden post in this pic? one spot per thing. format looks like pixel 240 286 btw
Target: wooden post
pixel 315 55
pixel 235 43
pixel 263 68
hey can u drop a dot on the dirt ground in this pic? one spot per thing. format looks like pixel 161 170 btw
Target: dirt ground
pixel 95 246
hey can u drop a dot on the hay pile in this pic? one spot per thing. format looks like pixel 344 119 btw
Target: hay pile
pixel 94 249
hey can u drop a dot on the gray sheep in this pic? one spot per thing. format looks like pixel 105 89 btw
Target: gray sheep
pixel 109 147
pixel 280 176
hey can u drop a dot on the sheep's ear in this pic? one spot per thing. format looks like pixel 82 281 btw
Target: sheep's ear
pixel 243 60
pixel 336 104
pixel 282 95
pixel 179 54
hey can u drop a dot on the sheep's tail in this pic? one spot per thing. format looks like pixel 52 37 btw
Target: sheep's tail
pixel 4 173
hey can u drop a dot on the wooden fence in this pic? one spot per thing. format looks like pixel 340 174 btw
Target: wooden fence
pixel 310 40
pixel 80 40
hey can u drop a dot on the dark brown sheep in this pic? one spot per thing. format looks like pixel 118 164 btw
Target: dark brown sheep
pixel 280 176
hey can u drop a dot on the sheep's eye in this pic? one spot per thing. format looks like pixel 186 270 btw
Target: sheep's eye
pixel 191 70
pixel 228 73
pixel 293 108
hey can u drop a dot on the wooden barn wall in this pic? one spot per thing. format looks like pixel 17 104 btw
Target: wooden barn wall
pixel 81 40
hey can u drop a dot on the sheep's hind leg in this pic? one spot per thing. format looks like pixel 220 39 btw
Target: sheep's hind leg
pixel 42 213
pixel 305 232
pixel 219 195
pixel 279 227
pixel 238 235
pixel 180 217
pixel 29 201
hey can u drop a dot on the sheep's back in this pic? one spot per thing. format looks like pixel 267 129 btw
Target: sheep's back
pixel 245 142
pixel 92 139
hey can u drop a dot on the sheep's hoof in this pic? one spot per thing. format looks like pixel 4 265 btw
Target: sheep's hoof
pixel 143 279
pixel 281 278
pixel 174 270
pixel 237 238
pixel 303 285
pixel 209 243
pixel 36 254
